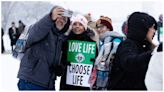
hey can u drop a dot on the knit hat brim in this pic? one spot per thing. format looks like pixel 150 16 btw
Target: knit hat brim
pixel 81 19
pixel 105 21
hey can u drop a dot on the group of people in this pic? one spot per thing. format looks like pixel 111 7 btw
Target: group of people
pixel 14 32
pixel 68 47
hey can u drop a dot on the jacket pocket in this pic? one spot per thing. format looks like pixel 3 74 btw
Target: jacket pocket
pixel 29 60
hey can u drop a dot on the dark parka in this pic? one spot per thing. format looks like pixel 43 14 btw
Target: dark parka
pixel 41 58
pixel 133 55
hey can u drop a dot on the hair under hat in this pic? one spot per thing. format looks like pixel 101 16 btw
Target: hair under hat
pixel 81 19
pixel 105 21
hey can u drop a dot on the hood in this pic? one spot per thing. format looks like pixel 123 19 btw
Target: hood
pixel 139 24
pixel 109 34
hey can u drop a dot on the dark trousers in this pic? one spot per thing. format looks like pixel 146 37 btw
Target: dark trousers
pixel 25 85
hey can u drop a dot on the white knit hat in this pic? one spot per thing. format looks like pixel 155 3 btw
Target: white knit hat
pixel 81 19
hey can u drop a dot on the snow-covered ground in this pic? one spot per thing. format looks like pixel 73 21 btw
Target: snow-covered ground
pixel 9 68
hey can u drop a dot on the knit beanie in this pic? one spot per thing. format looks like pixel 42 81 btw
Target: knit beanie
pixel 105 21
pixel 81 19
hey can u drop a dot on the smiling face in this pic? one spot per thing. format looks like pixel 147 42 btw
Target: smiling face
pixel 78 28
pixel 60 22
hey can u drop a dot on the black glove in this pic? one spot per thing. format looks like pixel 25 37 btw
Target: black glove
pixel 59 70
pixel 92 59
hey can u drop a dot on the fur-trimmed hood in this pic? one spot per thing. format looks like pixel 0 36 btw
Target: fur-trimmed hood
pixel 107 34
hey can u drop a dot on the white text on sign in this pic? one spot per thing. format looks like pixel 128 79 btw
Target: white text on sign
pixel 77 47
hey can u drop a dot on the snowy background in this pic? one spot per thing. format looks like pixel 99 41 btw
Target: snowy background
pixel 31 11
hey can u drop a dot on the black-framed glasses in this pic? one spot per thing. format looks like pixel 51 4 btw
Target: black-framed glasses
pixel 99 26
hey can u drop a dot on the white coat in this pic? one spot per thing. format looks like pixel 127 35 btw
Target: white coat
pixel 154 75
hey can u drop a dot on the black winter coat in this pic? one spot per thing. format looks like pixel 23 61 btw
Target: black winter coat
pixel 130 66
pixel 133 55
pixel 82 37
pixel 13 36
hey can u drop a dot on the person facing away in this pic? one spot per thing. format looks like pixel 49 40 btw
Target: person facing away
pixel 133 54
pixel 21 27
pixel 38 65
pixel 78 60
pixel 13 34
pixel 154 74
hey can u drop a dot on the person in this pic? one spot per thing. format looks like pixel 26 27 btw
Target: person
pixel 160 29
pixel 91 22
pixel 78 52
pixel 133 54
pixel 2 44
pixel 106 35
pixel 154 74
pixel 21 27
pixel 13 34
pixel 38 67
pixel 124 27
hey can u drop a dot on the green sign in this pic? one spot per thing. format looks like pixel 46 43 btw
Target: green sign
pixel 79 55
pixel 81 51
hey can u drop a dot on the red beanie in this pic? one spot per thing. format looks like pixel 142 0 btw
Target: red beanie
pixel 105 21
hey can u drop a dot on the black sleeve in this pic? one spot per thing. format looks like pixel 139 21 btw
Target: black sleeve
pixel 2 32
pixel 131 59
pixel 64 54
pixel 17 33
pixel 160 47
pixel 10 34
